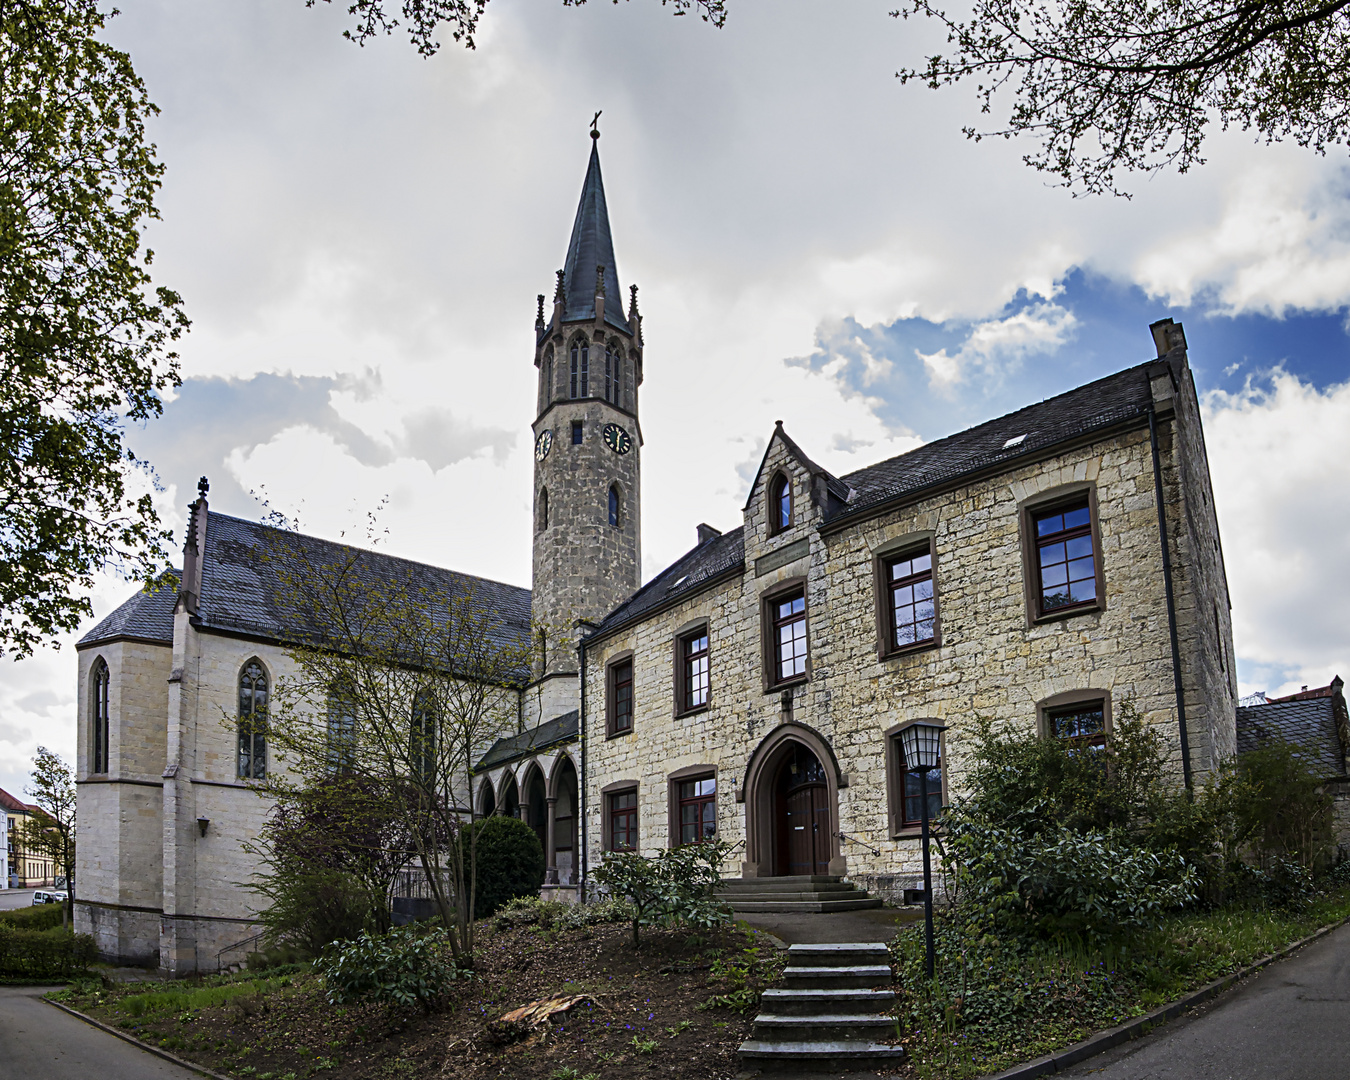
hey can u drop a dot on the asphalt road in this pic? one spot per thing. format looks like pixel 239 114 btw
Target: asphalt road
pixel 16 898
pixel 1288 1022
pixel 39 1042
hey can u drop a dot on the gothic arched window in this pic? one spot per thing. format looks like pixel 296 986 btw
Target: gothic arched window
pixel 422 738
pixel 341 728
pixel 99 683
pixel 581 369
pixel 548 377
pixel 543 509
pixel 614 505
pixel 252 763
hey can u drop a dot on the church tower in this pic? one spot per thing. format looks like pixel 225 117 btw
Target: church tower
pixel 587 445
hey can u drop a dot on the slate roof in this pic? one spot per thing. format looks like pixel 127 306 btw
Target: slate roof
pixel 1093 407
pixel 1309 724
pixel 246 567
pixel 147 616
pixel 560 729
pixel 592 246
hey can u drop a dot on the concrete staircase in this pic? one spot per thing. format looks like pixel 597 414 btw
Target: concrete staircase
pixel 789 894
pixel 831 1017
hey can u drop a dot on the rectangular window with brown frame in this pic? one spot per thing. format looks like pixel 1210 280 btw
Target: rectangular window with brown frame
pixel 1065 560
pixel 910 599
pixel 1082 726
pixel 787 612
pixel 692 673
pixel 698 810
pixel 621 697
pixel 623 820
pixel 906 788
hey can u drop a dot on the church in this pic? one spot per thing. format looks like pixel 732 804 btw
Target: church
pixel 1047 569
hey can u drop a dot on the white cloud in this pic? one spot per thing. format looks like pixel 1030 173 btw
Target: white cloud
pixel 996 348
pixel 1278 455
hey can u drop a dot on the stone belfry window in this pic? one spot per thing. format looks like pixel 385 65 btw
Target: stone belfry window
pixel 99 684
pixel 614 374
pixel 614 506
pixel 252 722
pixel 581 369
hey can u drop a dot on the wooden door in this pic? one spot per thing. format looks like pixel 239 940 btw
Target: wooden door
pixel 805 822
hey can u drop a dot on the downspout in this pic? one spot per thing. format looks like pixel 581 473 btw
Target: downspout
pixel 581 786
pixel 1171 601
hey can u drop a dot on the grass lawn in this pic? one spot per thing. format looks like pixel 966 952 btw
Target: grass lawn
pixel 642 1017
pixel 681 1006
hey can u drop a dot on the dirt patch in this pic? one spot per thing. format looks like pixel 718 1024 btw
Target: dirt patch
pixel 634 1015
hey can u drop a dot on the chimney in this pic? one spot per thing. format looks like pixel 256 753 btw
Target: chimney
pixel 706 532
pixel 1167 335
pixel 1342 718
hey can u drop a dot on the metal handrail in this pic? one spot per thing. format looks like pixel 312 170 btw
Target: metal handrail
pixel 238 945
pixel 855 840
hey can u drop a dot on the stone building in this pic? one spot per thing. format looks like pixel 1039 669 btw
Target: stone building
pixel 1046 569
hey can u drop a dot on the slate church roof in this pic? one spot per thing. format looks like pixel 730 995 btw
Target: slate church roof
pixel 1118 399
pixel 553 732
pixel 147 616
pixel 246 567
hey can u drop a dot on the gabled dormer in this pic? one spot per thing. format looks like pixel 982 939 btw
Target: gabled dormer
pixel 790 497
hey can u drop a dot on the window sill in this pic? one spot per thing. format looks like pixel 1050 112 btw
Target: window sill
pixel 1066 613
pixel 618 734
pixel 909 650
pixel 915 832
pixel 787 684
pixel 682 714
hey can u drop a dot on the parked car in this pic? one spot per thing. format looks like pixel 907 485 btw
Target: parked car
pixel 49 897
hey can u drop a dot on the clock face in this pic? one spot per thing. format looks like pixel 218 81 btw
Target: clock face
pixel 617 439
pixel 543 445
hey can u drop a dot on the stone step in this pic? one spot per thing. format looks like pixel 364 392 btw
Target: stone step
pixel 854 977
pixel 839 954
pixel 836 1055
pixel 781 1002
pixel 803 906
pixel 736 883
pixel 770 1028
pixel 791 884
pixel 779 896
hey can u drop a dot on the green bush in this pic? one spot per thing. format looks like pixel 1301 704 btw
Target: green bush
pixel 311 910
pixel 402 966
pixel 41 954
pixel 552 915
pixel 38 917
pixel 678 886
pixel 510 863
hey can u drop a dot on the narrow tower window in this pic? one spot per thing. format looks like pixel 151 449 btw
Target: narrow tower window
pixel 581 369
pixel 548 378
pixel 99 683
pixel 614 505
pixel 780 504
pixel 576 432
pixel 252 722
pixel 543 509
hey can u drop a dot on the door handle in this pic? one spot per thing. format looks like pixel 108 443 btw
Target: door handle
pixel 799 828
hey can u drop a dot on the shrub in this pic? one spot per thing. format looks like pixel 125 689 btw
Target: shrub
pixel 552 915
pixel 677 886
pixel 402 966
pixel 40 954
pixel 510 863
pixel 38 917
pixel 1285 810
pixel 311 910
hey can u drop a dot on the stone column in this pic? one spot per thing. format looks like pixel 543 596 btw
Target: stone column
pixel 550 843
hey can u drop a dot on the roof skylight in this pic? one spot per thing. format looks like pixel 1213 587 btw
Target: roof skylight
pixel 1016 440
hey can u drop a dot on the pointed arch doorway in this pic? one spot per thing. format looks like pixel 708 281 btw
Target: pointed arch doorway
pixel 792 806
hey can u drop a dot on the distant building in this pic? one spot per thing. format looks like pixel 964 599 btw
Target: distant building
pixel 25 870
pixel 1318 723
pixel 1048 568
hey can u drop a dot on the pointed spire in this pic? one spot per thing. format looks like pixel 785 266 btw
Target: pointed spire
pixel 591 246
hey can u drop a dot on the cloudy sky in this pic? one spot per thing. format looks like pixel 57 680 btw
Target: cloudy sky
pixel 360 233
